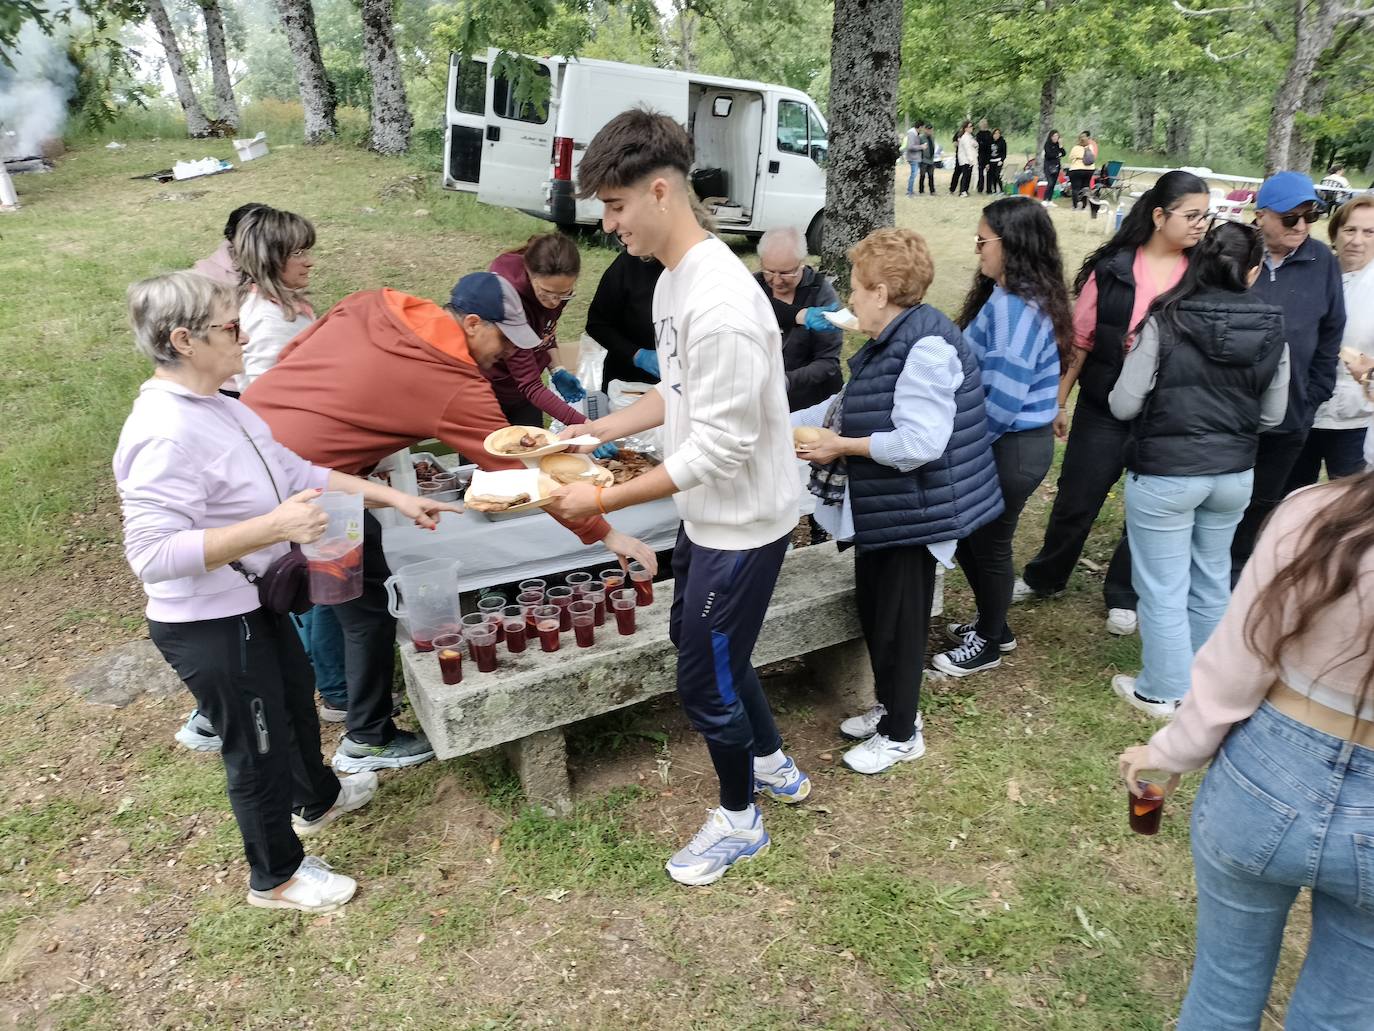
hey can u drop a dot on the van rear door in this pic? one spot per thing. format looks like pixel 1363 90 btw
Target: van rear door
pixel 518 145
pixel 466 122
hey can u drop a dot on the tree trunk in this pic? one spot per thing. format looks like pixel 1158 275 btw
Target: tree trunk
pixel 1178 135
pixel 226 109
pixel 1049 92
pixel 317 92
pixel 1303 146
pixel 865 58
pixel 197 125
pixel 1143 136
pixel 1316 26
pixel 391 122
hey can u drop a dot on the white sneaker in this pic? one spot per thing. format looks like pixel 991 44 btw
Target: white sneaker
pixel 198 734
pixel 1124 687
pixel 786 784
pixel 332 713
pixel 314 888
pixel 1121 622
pixel 879 753
pixel 354 793
pixel 715 848
pixel 1021 591
pixel 860 728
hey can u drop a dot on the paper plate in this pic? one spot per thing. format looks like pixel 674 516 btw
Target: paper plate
pixel 580 466
pixel 512 433
pixel 844 318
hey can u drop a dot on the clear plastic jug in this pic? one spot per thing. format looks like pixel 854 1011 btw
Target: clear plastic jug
pixel 336 559
pixel 428 600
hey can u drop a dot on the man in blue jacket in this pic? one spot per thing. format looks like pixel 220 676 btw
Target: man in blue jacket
pixel 1301 276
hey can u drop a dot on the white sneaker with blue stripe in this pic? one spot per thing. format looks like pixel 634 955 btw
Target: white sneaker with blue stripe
pixel 786 784
pixel 715 848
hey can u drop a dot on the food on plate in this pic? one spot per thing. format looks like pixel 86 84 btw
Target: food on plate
pixel 570 469
pixel 426 470
pixel 520 440
pixel 844 318
pixel 804 438
pixel 626 465
pixel 495 502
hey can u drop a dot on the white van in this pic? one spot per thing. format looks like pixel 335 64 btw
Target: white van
pixel 760 148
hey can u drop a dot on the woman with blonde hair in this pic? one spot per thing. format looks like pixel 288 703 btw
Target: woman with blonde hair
pixel 904 472
pixel 272 249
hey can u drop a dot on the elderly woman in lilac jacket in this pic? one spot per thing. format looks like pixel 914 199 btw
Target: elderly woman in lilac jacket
pixel 205 488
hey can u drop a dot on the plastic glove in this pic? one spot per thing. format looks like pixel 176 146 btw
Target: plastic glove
pixel 606 450
pixel 816 320
pixel 647 361
pixel 568 385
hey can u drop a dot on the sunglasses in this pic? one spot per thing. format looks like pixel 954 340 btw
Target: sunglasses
pixel 1294 217
pixel 979 241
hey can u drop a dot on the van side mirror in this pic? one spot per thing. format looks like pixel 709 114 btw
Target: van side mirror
pixel 819 152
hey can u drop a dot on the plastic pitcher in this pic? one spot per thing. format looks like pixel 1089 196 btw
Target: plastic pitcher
pixel 336 559
pixel 428 600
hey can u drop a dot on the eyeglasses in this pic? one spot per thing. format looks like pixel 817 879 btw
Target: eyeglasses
pixel 551 295
pixel 979 241
pixel 232 326
pixel 1191 217
pixel 1294 217
pixel 773 274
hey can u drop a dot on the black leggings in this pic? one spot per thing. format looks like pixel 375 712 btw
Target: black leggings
pixel 958 183
pixel 1079 178
pixel 252 681
pixel 894 590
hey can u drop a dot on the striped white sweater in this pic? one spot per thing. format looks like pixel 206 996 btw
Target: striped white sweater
pixel 726 426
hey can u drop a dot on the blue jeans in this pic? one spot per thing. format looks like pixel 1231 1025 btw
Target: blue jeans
pixel 1283 806
pixel 322 636
pixel 1180 529
pixel 911 179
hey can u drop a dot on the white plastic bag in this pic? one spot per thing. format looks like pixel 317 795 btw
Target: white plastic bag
pixel 591 363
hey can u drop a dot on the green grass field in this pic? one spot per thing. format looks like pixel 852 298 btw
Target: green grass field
pixel 993 885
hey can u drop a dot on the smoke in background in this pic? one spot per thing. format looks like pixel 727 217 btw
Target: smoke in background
pixel 33 94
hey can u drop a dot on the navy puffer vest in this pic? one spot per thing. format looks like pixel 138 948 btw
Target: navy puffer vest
pixel 945 499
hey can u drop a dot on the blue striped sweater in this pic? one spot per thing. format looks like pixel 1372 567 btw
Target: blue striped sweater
pixel 1014 343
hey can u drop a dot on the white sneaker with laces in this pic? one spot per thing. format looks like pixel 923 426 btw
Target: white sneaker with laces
pixel 865 725
pixel 1121 622
pixel 879 753
pixel 314 888
pixel 1124 687
pixel 715 848
pixel 1021 591
pixel 354 793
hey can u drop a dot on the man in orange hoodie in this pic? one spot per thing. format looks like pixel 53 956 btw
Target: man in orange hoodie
pixel 383 370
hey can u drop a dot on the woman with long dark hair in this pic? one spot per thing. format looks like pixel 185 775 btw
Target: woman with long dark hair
pixel 1115 287
pixel 1054 156
pixel 1017 321
pixel 1208 373
pixel 1282 705
pixel 965 156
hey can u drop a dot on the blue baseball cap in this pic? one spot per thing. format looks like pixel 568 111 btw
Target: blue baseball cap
pixel 1284 191
pixel 492 299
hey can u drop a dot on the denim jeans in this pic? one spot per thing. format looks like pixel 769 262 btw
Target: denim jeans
pixel 1283 807
pixel 911 179
pixel 322 636
pixel 1180 529
pixel 1341 450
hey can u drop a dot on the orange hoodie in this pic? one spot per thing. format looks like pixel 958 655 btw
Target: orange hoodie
pixel 383 370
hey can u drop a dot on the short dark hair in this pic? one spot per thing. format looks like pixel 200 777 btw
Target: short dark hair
pixel 231 226
pixel 630 146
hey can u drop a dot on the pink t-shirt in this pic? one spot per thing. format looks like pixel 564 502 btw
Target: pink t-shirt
pixel 1146 290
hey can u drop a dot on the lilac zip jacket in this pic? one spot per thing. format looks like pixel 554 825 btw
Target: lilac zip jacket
pixel 186 464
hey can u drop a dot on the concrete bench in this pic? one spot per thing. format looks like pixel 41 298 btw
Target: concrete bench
pixel 525 704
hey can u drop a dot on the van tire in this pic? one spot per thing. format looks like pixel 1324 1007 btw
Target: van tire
pixel 813 233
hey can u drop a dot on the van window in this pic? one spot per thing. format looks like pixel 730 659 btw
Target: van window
pixel 820 142
pixel 504 103
pixel 792 130
pixel 470 90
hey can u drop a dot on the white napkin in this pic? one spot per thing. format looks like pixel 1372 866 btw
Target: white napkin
pixel 505 483
pixel 586 440
pixel 844 318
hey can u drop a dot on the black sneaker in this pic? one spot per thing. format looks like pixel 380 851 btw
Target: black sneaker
pixel 973 656
pixel 958 632
pixel 405 749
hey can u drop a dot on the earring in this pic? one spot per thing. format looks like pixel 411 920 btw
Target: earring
pixel 191 353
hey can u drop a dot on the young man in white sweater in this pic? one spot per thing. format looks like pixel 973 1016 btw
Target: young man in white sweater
pixel 722 402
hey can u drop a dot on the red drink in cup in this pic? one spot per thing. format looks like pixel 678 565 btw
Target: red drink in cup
pixel 1146 808
pixel 490 605
pixel 623 604
pixel 481 638
pixel 584 623
pixel 612 579
pixel 513 617
pixel 643 582
pixel 579 582
pixel 597 596
pixel 529 601
pixel 450 649
pixel 547 619
pixel 563 598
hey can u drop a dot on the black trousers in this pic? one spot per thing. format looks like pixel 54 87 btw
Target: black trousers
pixel 252 680
pixel 927 175
pixel 995 177
pixel 369 632
pixel 983 176
pixel 894 590
pixel 1093 463
pixel 962 175
pixel 1052 179
pixel 1079 178
pixel 1274 461
pixel 719 601
pixel 985 555
pixel 522 413
pixel 1342 451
